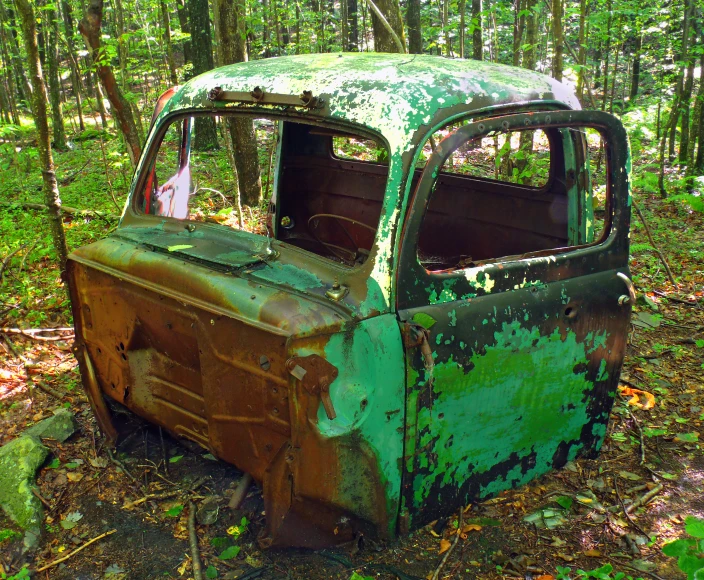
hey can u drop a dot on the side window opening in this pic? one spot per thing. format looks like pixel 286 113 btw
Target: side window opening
pixel 322 187
pixel 514 194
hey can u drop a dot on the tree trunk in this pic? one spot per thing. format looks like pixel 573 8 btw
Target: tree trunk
pixel 557 39
pixel 684 125
pixel 202 47
pixel 415 37
pixel 90 29
pixel 677 109
pixel 121 42
pixel 387 25
pixel 519 27
pixel 24 89
pixel 73 64
pixel 582 55
pixel 57 116
pixel 530 53
pixel 635 69
pixel 608 53
pixel 166 23
pixel 182 12
pixel 12 93
pixel 230 33
pixel 352 15
pixel 696 164
pixel 39 100
pixel 477 40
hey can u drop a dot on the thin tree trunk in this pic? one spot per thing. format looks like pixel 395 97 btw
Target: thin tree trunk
pixel 415 37
pixel 73 64
pixel 352 15
pixel 608 54
pixel 582 53
pixel 530 53
pixel 696 164
pixel 230 31
pixel 635 70
pixel 9 76
pixel 477 39
pixel 557 39
pixel 166 24
pixel 519 30
pixel 39 101
pixel 121 42
pixel 388 26
pixel 182 12
pixel 684 58
pixel 201 44
pixel 24 89
pixel 57 116
pixel 684 124
pixel 90 29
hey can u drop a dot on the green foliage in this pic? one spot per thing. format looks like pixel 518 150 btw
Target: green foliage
pixel 7 535
pixel 24 573
pixel 605 572
pixel 229 553
pixel 689 551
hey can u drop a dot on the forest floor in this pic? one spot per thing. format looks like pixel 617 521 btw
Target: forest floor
pixel 576 515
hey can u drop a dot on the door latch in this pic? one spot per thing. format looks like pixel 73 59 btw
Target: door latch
pixel 316 375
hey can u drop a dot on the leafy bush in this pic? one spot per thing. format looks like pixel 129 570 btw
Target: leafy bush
pixel 689 551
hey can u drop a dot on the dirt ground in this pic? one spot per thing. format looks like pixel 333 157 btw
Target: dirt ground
pixel 648 452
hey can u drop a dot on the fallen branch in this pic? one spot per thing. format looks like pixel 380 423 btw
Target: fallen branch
pixel 193 541
pixel 67 556
pixel 645 498
pixel 64 209
pixel 240 492
pixel 625 511
pixel 47 389
pixel 655 247
pixel 640 432
pixel 40 497
pixel 150 496
pixel 122 467
pixel 436 574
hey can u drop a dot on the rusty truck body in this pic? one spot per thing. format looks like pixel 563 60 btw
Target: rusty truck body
pixel 436 310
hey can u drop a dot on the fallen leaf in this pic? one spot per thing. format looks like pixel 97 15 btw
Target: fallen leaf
pixel 687 437
pixel 545 577
pixel 471 528
pixel 593 553
pixel 565 557
pixel 444 546
pixel 557 542
pixel 629 475
pixel 74 477
pixel 635 397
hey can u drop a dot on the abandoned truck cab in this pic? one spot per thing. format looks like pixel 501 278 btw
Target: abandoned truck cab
pixel 432 308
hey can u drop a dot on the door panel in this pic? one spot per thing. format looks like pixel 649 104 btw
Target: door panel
pixel 522 358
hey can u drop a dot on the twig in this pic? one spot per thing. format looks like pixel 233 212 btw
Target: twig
pixel 645 498
pixel 88 543
pixel 7 259
pixel 240 492
pixel 452 547
pixel 149 496
pixel 675 299
pixel 620 563
pixel 163 451
pixel 193 541
pixel 119 463
pixel 40 497
pixel 34 333
pixel 655 247
pixel 47 389
pixel 640 432
pixel 625 511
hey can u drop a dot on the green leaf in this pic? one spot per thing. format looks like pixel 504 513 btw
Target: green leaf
pixel 687 437
pixel 211 572
pixel 178 247
pixel 690 564
pixel 175 511
pixel 694 526
pixel 220 542
pixel 356 576
pixel 175 458
pixel 425 320
pixel 55 463
pixel 678 547
pixel 565 502
pixel 229 553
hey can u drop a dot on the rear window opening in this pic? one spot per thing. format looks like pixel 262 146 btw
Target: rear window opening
pixel 322 187
pixel 512 195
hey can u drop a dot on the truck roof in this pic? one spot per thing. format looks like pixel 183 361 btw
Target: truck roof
pixel 393 94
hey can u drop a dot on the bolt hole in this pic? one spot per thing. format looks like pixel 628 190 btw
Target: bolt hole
pixel 99 351
pixel 570 312
pixel 122 346
pixel 363 404
pixel 123 356
pixel 441 416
